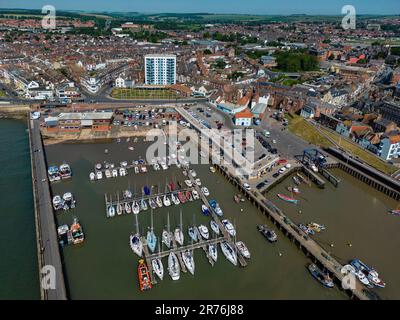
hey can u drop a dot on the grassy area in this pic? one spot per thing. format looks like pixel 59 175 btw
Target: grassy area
pixel 358 151
pixel 307 132
pixel 3 94
pixel 120 93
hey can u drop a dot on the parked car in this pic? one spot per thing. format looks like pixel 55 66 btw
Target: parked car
pixel 261 185
pixel 246 186
pixel 276 175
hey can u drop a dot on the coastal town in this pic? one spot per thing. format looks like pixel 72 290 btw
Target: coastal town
pixel 158 141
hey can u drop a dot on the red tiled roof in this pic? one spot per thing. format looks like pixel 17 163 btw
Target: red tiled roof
pixel 244 114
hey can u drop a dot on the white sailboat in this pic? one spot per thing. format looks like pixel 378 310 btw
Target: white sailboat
pixel 188 260
pixel 229 252
pixel 179 233
pixel 119 207
pixel 167 236
pixel 213 251
pixel 135 207
pixel 127 207
pixel 135 241
pixel 214 227
pixel 159 202
pixel 173 266
pixel 204 231
pixel 158 267
pixel 166 201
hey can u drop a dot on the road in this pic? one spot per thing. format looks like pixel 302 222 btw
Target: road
pixel 49 243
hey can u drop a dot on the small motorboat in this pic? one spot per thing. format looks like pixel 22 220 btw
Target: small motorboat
pixel 158 267
pixel 287 199
pixel 173 266
pixel 296 180
pixel 144 276
pixel 159 202
pixel 114 173
pixel 212 169
pixel 181 197
pixel 146 190
pixel 358 274
pixel 179 236
pixel 122 172
pixel 98 166
pixel 394 212
pixel 229 252
pixel 58 203
pixel 193 173
pixel 111 211
pixel 267 233
pixel 316 227
pixel 152 203
pixel 205 210
pixel 193 234
pixel 369 272
pixel 166 201
pixel 136 244
pixel 229 227
pixel 92 176
pixel 198 182
pixel 204 231
pixel 135 207
pixel 322 277
pixel 213 252
pixel 119 209
pixel 188 260
pixel 243 249
pixel 195 195
pixel 237 198
pixel 167 238
pixel 306 229
pixel 205 191
pixel 127 194
pixel 214 227
pixel 294 190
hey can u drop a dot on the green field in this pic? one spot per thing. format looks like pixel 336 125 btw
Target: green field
pixel 307 132
pixel 3 94
pixel 135 93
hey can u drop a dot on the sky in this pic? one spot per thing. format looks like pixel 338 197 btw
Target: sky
pixel 285 7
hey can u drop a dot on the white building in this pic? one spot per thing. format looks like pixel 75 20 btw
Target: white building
pixel 119 83
pixel 160 69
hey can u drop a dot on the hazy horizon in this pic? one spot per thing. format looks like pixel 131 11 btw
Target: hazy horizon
pixel 252 7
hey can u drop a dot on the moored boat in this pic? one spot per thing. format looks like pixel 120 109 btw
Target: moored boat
pixel 188 260
pixel 296 180
pixel 158 268
pixel 152 203
pixel 92 176
pixel 229 227
pixel 167 238
pixel 181 197
pixel 195 195
pixel 188 195
pixel 267 233
pixel 214 227
pixel 173 266
pixel 205 210
pixel 205 191
pixel 136 244
pixel 143 205
pixel 144 276
pixel 286 198
pixel 369 272
pixel 58 203
pixel 394 212
pixel 229 252
pixel 166 201
pixel 243 249
pixel 151 240
pixel 127 207
pixel 189 183
pixel 178 234
pixel 213 252
pixel 204 231
pixel 193 233
pixel 111 211
pixel 175 199
pixel 159 202
pixel 322 277
pixel 77 232
pixel 135 207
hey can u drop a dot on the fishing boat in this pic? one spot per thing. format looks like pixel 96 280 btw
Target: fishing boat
pixel 286 198
pixel 143 205
pixel 158 267
pixel 214 227
pixel 189 183
pixel 146 190
pixel 135 207
pixel 136 244
pixel 166 201
pixel 198 182
pixel 173 266
pixel 316 227
pixel 77 232
pixel 98 166
pixel 229 227
pixel 296 180
pixel 188 195
pixel 159 202
pixel 394 212
pixel 195 195
pixel 108 174
pixel 152 203
pixel 181 197
pixel 358 274
pixel 193 233
pixel 294 190
pixel 92 176
pixel 127 207
pixel 205 210
pixel 204 231
pixel 58 203
pixel 114 173
pixel 193 173
pixel 267 233
pixel 322 277
pixel 144 276
pixel 175 199
pixel 229 252
pixel 369 272
pixel 188 260
pixel 213 252
pixel 306 229
pixel 99 175
pixel 111 211
pixel 212 169
pixel 205 191
pixel 243 249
